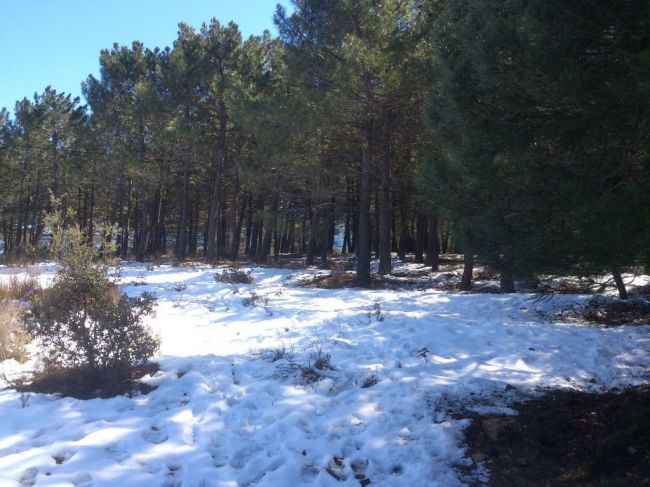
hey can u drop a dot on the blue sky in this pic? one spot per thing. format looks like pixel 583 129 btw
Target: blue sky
pixel 57 42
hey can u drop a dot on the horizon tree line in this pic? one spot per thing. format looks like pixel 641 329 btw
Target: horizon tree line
pixel 514 132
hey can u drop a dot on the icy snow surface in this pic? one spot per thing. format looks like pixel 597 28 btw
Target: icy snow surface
pixel 224 414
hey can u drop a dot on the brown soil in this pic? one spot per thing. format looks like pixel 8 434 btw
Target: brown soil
pixel 605 311
pixel 614 313
pixel 80 384
pixel 567 438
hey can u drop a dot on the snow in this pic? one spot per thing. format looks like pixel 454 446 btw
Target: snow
pixel 223 414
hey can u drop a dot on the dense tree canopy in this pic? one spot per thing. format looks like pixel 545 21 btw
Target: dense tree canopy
pixel 515 132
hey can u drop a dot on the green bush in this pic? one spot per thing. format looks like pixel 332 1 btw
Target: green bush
pixel 82 320
pixel 234 276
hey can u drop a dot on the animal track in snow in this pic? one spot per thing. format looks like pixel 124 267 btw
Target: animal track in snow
pixel 28 477
pixel 155 435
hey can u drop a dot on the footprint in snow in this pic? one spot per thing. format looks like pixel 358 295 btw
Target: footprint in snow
pixel 117 453
pixel 239 458
pixel 155 435
pixel 309 472
pixel 47 429
pixel 173 470
pixel 28 477
pixel 83 479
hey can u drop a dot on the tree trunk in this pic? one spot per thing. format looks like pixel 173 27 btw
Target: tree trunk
pixel 620 285
pixel 213 216
pixel 234 241
pixel 385 264
pixel 506 281
pixel 363 236
pixel 433 244
pixel 194 228
pixel 311 246
pixel 21 208
pixel 125 227
pixel 91 214
pixel 403 225
pixel 324 234
pixel 257 226
pixel 420 240
pixel 143 235
pixel 236 236
pixel 181 242
pixel 468 270
pixel 265 249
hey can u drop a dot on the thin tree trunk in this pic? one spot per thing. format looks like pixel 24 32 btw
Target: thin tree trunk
pixel 236 237
pixel 181 242
pixel 385 264
pixel 268 234
pixel 91 214
pixel 213 215
pixel 506 281
pixel 257 226
pixel 324 234
pixel 311 246
pixel 468 270
pixel 363 236
pixel 125 226
pixel 620 285
pixel 433 244
pixel 234 242
pixel 420 233
pixel 143 235
pixel 21 197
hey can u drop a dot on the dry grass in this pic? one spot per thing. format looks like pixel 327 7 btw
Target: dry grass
pixel 17 288
pixel 13 337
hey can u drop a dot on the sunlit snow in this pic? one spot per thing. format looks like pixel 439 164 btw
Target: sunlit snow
pixel 222 415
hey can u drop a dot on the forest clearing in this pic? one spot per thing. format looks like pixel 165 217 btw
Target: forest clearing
pixel 325 243
pixel 305 386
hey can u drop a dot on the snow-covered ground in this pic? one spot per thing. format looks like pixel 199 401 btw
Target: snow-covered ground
pixel 225 414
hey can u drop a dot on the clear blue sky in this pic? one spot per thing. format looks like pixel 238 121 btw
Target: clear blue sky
pixel 57 42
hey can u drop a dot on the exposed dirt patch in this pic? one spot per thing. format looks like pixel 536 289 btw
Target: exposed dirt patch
pixel 567 438
pixel 615 313
pixel 347 279
pixel 606 311
pixel 81 384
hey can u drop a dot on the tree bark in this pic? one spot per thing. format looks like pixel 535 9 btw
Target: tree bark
pixel 213 216
pixel 181 242
pixel 311 245
pixel 506 281
pixel 363 237
pixel 265 249
pixel 236 236
pixel 257 226
pixel 468 270
pixel 385 264
pixel 143 235
pixel 125 227
pixel 620 285
pixel 433 244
